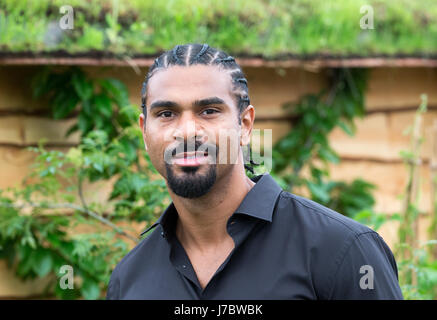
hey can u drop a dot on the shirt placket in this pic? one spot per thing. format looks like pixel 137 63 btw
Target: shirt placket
pixel 239 229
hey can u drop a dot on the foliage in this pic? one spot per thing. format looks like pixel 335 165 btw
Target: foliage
pixel 417 265
pixel 96 99
pixel 42 224
pixel 38 243
pixel 418 273
pixel 306 146
pixel 269 28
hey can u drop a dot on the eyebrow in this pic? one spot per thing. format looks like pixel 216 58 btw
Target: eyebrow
pixel 196 103
pixel 208 101
pixel 163 103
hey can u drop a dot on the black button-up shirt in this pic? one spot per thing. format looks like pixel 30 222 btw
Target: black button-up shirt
pixel 286 247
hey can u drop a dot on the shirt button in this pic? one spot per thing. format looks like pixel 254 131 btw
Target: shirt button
pixel 163 234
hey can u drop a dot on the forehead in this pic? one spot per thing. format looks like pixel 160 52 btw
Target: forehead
pixel 185 84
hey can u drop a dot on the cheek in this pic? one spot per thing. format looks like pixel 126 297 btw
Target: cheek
pixel 156 158
pixel 228 142
pixel 155 146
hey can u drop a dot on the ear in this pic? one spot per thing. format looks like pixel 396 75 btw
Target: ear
pixel 247 119
pixel 142 123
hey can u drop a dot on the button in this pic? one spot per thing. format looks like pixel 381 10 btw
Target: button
pixel 163 234
pixel 184 266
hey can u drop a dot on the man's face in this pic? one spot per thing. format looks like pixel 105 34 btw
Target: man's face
pixel 192 132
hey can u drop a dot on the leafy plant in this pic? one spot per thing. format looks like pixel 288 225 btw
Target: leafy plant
pixel 268 28
pixel 418 267
pixel 306 146
pixel 53 221
pixel 42 223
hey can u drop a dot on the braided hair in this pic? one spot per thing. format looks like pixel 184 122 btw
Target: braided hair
pixel 191 54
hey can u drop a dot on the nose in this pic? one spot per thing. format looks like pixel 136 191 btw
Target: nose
pixel 188 129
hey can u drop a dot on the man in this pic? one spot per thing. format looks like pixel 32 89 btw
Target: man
pixel 226 236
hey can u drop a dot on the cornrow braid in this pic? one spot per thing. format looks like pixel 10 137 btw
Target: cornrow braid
pixel 248 160
pixel 201 52
pixel 175 55
pixel 227 59
pixel 191 54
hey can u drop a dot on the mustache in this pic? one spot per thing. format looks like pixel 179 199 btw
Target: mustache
pixel 191 146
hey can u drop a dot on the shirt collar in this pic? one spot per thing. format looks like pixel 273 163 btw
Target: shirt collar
pixel 259 202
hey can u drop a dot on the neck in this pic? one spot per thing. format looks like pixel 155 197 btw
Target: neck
pixel 202 221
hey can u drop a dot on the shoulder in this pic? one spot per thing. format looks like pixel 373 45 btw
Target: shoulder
pixel 315 217
pixel 139 255
pixel 329 241
pixel 122 269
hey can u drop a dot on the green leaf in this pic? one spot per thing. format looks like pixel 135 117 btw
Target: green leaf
pixel 319 191
pixel 98 166
pixel 329 155
pixel 75 156
pixel 71 130
pixel 67 294
pixel 430 276
pixel 42 262
pixel 348 129
pixel 39 83
pixel 85 124
pixel 90 289
pixel 83 87
pixel 92 38
pixel 63 104
pixel 102 103
pixel 117 90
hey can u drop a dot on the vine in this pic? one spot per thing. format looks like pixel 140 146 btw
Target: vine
pixel 40 222
pixel 306 147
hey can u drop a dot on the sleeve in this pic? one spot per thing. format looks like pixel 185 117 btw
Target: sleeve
pixel 367 271
pixel 113 288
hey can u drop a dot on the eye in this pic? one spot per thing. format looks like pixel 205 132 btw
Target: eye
pixel 165 114
pixel 209 111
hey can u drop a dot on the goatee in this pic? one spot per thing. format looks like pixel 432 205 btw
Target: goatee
pixel 192 184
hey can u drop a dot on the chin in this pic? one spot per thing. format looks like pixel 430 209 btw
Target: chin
pixel 191 181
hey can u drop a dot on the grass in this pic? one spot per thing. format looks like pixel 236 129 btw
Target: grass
pixel 268 28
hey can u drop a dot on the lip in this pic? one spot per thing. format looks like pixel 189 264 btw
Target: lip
pixel 190 159
pixel 191 154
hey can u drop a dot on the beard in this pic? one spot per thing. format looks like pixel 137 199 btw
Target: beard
pixel 192 184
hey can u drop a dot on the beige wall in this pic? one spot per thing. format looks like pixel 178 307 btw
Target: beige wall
pixel 372 154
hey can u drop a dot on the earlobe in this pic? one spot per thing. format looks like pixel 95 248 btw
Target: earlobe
pixel 244 140
pixel 246 124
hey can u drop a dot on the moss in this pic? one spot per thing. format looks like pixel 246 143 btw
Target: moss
pixel 268 28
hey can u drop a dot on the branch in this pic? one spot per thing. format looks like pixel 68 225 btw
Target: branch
pixel 71 206
pixel 95 215
pixel 79 188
